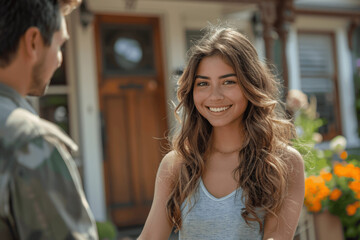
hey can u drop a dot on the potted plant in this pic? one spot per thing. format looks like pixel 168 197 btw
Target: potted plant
pixel 332 183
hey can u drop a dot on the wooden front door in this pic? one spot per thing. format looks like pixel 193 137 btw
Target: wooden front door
pixel 132 103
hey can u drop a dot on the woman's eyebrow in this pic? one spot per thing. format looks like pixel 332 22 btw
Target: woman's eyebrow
pixel 202 77
pixel 221 77
pixel 228 75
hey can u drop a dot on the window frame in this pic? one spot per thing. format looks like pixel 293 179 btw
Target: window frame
pixel 337 129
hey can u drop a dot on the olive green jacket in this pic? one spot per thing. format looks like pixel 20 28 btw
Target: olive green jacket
pixel 41 195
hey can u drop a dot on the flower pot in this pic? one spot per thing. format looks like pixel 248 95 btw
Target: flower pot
pixel 328 226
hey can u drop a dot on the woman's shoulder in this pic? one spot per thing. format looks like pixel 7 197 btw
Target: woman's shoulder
pixel 295 161
pixel 171 159
pixel 170 165
pixel 294 156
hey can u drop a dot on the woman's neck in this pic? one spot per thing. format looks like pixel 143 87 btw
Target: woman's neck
pixel 227 140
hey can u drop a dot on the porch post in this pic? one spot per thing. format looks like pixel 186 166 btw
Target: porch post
pixel 277 15
pixel 84 65
pixel 268 16
pixel 285 16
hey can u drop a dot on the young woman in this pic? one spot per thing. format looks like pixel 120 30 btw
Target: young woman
pixel 232 173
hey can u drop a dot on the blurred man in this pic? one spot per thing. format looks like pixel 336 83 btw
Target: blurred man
pixel 41 196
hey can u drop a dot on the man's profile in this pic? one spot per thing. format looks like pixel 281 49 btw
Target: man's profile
pixel 41 195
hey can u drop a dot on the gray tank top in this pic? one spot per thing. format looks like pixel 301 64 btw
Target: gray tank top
pixel 211 218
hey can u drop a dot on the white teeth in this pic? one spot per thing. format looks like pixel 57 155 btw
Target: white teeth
pixel 221 109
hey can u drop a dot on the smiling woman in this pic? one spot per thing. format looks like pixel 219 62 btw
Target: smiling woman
pixel 217 93
pixel 232 173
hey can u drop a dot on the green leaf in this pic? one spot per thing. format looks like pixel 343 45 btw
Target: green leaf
pixel 351 232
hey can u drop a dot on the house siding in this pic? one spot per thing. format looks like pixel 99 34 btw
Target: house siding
pixel 175 19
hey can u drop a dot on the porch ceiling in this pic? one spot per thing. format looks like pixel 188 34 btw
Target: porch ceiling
pixel 222 2
pixel 219 1
pixel 228 6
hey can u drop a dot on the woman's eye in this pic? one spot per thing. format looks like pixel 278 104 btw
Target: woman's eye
pixel 227 82
pixel 200 84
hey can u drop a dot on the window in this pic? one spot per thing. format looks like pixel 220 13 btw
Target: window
pixel 319 78
pixel 356 59
pixel 54 107
pixel 128 50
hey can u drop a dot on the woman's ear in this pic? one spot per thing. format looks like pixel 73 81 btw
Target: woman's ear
pixel 33 43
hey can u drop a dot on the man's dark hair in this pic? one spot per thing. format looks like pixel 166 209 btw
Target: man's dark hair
pixel 16 16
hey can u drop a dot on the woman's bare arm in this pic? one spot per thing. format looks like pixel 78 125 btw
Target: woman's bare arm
pixel 283 227
pixel 157 226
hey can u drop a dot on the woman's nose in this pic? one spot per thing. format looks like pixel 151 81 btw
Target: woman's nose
pixel 216 93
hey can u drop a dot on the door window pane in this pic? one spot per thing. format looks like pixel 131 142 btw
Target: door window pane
pixel 127 50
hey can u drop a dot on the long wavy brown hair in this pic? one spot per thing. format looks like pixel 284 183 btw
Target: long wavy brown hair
pixel 263 169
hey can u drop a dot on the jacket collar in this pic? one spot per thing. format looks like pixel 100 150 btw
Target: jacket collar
pixel 19 101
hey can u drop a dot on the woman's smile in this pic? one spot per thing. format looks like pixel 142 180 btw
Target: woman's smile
pixel 217 93
pixel 219 109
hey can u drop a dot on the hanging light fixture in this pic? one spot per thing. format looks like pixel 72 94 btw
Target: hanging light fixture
pixel 86 16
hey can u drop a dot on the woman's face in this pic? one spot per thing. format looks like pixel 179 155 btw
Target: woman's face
pixel 217 93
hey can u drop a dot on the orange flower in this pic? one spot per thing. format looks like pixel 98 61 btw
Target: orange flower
pixel 314 206
pixel 356 173
pixel 315 192
pixel 325 175
pixel 324 192
pixel 355 186
pixel 335 194
pixel 339 170
pixel 344 155
pixel 347 170
pixel 352 208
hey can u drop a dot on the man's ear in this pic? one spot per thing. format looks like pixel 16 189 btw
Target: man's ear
pixel 33 43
